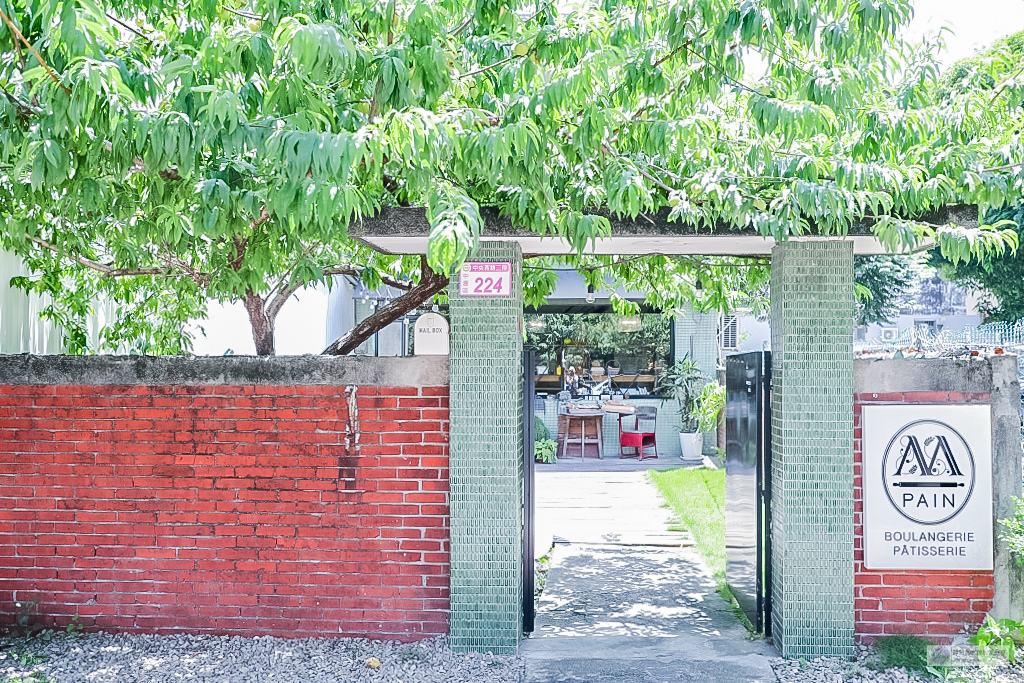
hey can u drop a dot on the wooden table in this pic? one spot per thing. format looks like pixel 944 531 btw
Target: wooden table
pixel 586 419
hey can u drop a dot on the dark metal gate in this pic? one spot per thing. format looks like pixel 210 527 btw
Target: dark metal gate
pixel 529 363
pixel 748 484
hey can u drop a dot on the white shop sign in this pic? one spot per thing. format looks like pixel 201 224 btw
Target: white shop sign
pixel 486 278
pixel 430 335
pixel 927 482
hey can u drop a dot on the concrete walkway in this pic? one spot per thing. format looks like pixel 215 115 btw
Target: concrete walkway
pixel 627 600
pixel 617 507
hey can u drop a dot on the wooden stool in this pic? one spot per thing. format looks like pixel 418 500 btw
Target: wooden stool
pixel 586 421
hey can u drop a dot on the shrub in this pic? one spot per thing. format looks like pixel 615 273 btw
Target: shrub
pixel 540 430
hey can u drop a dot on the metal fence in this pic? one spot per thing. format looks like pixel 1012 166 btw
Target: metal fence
pixel 1009 336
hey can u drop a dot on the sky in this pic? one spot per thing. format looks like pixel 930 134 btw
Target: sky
pixel 302 323
pixel 976 24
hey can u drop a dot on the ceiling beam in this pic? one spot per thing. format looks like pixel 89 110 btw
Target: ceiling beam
pixel 405 230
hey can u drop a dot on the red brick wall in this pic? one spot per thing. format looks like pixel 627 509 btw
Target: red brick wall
pixel 226 509
pixel 936 604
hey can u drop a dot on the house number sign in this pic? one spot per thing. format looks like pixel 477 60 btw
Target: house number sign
pixel 927 482
pixel 486 278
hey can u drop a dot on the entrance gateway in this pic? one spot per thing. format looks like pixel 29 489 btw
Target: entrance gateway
pixel 812 480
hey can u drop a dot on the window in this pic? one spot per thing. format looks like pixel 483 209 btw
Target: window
pixel 730 332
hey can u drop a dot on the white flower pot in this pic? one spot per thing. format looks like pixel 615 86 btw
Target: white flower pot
pixel 692 445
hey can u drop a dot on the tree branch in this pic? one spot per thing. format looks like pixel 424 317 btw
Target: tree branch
pixel 277 301
pixel 24 108
pixel 670 55
pixel 264 217
pixel 1002 86
pixel 128 27
pixel 352 272
pixel 461 27
pixel 197 276
pixel 244 15
pixel 492 66
pixel 536 14
pixel 430 284
pixel 720 71
pixel 95 265
pixel 1005 167
pixel 42 62
pixel 379 88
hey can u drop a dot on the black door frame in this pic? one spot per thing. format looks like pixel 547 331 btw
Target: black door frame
pixel 754 382
pixel 529 608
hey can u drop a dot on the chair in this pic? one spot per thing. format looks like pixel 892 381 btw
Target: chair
pixel 637 437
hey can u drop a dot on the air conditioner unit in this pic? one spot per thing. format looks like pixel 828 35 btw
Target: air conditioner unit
pixel 890 333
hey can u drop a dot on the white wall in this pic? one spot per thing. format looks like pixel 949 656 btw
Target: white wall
pixel 301 327
pixel 21 330
pixel 754 334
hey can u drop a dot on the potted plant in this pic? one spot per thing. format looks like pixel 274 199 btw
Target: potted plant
pixel 709 405
pixel 684 382
pixel 545 449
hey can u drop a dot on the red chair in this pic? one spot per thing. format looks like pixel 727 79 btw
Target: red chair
pixel 639 437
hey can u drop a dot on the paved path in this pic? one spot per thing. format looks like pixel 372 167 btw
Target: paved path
pixel 617 507
pixel 626 600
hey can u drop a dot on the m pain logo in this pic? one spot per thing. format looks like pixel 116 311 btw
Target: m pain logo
pixel 928 472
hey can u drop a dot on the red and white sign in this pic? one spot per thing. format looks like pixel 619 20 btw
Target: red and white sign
pixel 486 278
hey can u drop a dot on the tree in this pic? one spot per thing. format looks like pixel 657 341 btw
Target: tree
pixel 1001 277
pixel 992 72
pixel 165 153
pixel 600 334
pixel 881 281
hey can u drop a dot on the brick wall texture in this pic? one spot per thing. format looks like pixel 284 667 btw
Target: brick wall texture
pixel 227 509
pixel 934 604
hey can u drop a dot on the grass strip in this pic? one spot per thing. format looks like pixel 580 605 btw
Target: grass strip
pixel 697 497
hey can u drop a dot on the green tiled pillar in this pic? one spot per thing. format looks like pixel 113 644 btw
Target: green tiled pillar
pixel 486 463
pixel 696 335
pixel 812 448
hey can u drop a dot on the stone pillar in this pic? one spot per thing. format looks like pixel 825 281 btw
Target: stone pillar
pixel 696 335
pixel 1006 484
pixel 485 465
pixel 812 448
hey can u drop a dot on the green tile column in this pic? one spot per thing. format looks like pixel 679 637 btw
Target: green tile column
pixel 486 463
pixel 696 335
pixel 812 448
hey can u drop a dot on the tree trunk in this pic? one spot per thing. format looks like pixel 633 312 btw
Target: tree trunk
pixel 430 284
pixel 262 324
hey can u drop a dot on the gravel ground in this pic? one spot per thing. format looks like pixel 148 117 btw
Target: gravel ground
pixel 833 670
pixel 105 658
